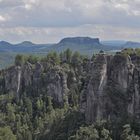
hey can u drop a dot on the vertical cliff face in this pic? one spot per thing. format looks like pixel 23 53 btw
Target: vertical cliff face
pixel 113 88
pixel 56 84
pixel 124 75
pixel 121 71
pixel 95 94
pixel 12 79
pixel 32 79
pixel 134 105
pixel 136 96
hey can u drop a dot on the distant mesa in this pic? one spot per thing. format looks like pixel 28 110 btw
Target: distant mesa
pixel 80 41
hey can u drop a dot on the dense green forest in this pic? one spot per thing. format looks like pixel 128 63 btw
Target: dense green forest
pixel 37 116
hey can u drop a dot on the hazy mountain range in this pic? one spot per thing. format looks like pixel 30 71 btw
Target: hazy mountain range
pixel 84 45
pixel 75 43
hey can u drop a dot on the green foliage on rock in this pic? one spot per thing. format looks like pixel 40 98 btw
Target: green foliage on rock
pixel 92 132
pixel 19 60
pixel 128 134
pixel 6 133
pixel 32 59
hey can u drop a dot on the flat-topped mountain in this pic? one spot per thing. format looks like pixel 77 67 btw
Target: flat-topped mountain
pixel 80 41
pixel 84 45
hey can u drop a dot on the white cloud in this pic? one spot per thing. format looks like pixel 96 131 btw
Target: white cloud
pixel 2 18
pixel 28 6
pixel 48 13
pixel 54 34
pixel 4 4
pixel 69 18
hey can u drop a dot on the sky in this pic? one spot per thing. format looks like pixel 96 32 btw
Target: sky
pixel 48 21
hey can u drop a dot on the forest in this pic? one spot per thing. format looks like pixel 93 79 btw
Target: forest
pixel 45 101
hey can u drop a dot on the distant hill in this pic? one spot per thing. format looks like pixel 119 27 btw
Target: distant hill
pixel 113 42
pixel 131 44
pixel 5 46
pixel 120 44
pixel 25 46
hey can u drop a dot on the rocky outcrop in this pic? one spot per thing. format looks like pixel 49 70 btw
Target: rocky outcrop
pixel 109 86
pixel 32 79
pixel 113 88
pixel 56 84
pixel 95 89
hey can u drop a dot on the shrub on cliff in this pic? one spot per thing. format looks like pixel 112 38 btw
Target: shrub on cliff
pixel 19 60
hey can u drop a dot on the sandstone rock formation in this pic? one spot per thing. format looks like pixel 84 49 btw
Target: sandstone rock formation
pixel 113 88
pixel 110 86
pixel 33 80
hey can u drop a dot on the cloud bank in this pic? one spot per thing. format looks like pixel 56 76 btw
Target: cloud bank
pixel 44 21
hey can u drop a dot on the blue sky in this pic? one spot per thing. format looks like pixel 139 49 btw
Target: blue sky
pixel 47 21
